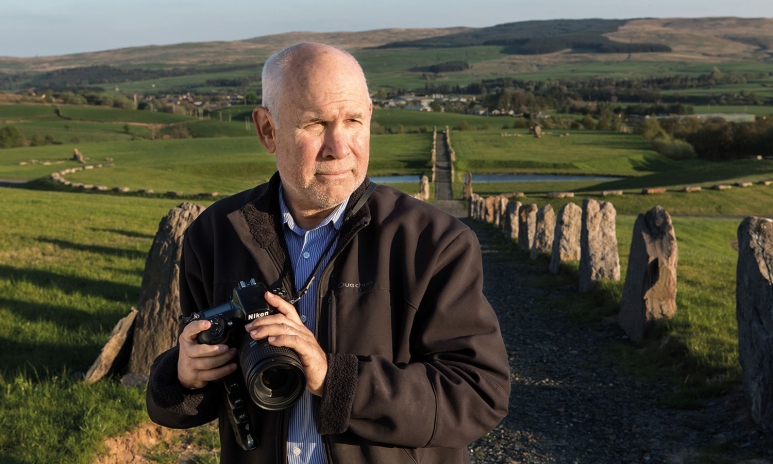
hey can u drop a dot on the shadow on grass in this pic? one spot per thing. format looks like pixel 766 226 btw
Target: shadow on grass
pixel 125 233
pixel 71 284
pixel 64 317
pixel 45 359
pixel 97 249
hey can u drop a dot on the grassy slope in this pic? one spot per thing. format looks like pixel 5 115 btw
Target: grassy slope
pixel 582 152
pixel 61 291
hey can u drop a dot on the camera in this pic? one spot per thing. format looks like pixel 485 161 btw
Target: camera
pixel 273 375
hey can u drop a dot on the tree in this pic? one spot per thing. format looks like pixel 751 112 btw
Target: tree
pixel 11 137
pixel 37 140
pixel 251 98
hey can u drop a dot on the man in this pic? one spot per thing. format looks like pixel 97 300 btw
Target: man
pixel 403 355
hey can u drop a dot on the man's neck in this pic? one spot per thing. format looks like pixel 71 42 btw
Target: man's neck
pixel 308 219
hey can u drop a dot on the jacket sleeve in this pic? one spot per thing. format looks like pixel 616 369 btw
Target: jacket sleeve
pixel 168 402
pixel 454 390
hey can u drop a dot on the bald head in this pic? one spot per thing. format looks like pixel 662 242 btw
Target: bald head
pixel 297 68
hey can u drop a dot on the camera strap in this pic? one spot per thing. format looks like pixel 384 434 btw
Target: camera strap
pixel 360 203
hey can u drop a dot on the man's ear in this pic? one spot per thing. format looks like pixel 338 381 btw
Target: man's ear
pixel 265 127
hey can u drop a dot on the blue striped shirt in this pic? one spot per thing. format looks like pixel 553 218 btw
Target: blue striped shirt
pixel 304 444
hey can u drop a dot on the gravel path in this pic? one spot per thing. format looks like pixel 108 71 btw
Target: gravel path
pixel 568 405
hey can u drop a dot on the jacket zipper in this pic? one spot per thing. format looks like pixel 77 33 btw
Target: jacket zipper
pixel 323 280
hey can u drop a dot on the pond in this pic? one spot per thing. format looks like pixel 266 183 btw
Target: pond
pixel 499 178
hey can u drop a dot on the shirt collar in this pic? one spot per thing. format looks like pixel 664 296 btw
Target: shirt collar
pixel 336 217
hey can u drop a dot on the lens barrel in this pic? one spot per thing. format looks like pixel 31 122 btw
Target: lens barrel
pixel 274 374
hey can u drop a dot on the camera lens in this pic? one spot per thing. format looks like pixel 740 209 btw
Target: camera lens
pixel 274 378
pixel 274 375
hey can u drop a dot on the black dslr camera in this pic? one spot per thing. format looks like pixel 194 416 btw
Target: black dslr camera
pixel 273 375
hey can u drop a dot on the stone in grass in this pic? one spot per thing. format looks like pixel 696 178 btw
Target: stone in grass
pixel 653 191
pixel 122 189
pixel 743 184
pixel 115 351
pixel 649 292
pixel 766 182
pixel 527 222
pixel 566 238
pixel 722 187
pixel 491 210
pixel 174 193
pixel 754 312
pixel 146 191
pixel 102 188
pixel 691 189
pixel 599 258
pixel 87 186
pixel 511 219
pixel 210 194
pixel 543 232
pixel 606 193
pixel 560 194
pixel 159 303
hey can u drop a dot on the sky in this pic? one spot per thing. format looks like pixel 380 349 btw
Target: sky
pixel 30 28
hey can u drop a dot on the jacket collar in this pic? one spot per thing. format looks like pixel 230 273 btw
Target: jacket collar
pixel 262 218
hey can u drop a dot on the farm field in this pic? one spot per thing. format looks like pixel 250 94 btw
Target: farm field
pixel 58 312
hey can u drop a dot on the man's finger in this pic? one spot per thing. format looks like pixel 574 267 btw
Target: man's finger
pixel 283 306
pixel 192 330
pixel 216 374
pixel 212 362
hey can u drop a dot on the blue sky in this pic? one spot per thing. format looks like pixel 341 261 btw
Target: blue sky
pixel 55 27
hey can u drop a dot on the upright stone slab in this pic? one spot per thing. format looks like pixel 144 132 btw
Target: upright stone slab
pixel 490 206
pixel 754 311
pixel 115 351
pixel 424 188
pixel 155 328
pixel 527 222
pixel 543 231
pixel 649 292
pixel 566 237
pixel 511 219
pixel 481 208
pixel 503 201
pixel 598 244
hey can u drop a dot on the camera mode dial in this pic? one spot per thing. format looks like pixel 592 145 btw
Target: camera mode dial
pixel 215 334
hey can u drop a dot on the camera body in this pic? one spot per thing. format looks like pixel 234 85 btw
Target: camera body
pixel 247 304
pixel 273 375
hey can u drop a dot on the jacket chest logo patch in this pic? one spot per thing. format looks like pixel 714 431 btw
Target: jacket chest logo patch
pixel 355 285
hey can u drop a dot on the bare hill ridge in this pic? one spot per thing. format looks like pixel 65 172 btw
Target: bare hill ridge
pixel 251 50
pixel 690 40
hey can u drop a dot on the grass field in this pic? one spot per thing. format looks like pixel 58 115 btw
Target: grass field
pixel 582 152
pixel 58 311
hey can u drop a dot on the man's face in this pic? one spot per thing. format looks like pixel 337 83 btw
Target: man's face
pixel 322 133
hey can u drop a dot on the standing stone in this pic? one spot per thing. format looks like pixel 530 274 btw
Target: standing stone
pixel 543 231
pixel 503 201
pixel 527 222
pixel 424 188
pixel 649 292
pixel 77 156
pixel 468 185
pixel 116 349
pixel 754 311
pixel 598 244
pixel 511 219
pixel 490 205
pixel 156 325
pixel 566 238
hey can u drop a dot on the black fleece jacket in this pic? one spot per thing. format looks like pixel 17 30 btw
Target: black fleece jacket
pixel 417 365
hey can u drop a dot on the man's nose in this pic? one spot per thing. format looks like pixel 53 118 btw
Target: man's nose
pixel 337 139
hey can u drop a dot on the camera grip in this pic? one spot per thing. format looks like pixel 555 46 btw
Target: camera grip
pixel 215 335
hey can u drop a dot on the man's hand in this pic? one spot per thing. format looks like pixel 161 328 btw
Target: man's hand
pixel 199 364
pixel 286 329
